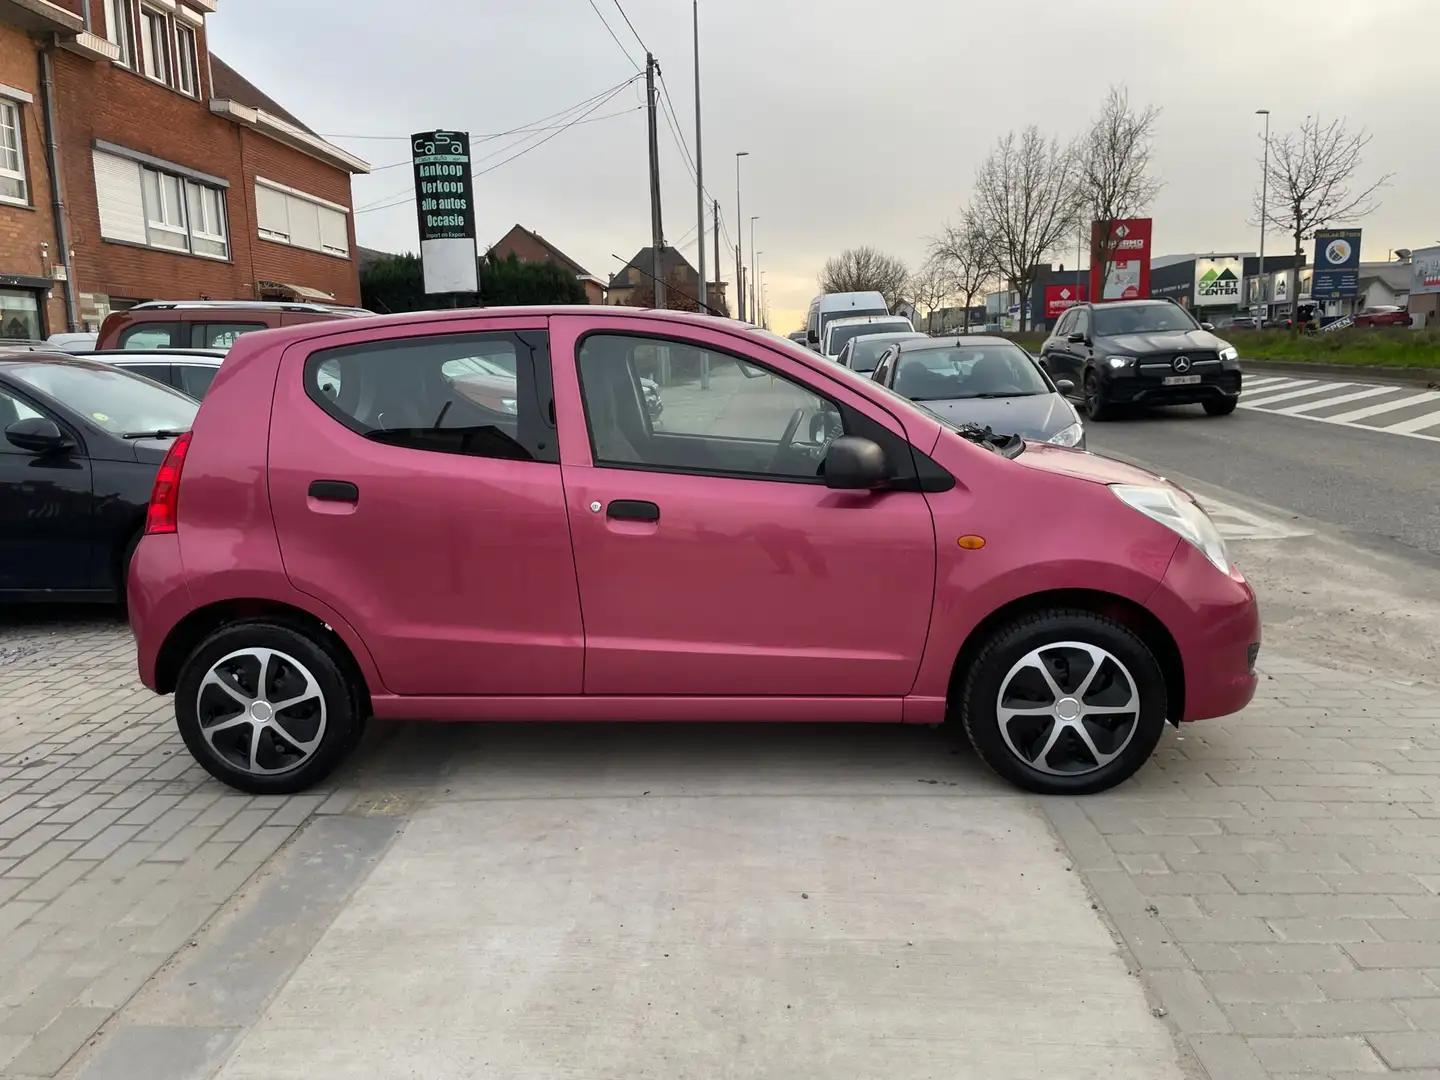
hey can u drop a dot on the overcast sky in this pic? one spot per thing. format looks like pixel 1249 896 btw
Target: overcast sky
pixel 864 121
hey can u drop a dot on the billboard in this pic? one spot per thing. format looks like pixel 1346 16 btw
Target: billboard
pixel 1061 298
pixel 1426 264
pixel 445 207
pixel 1337 264
pixel 1217 281
pixel 1125 255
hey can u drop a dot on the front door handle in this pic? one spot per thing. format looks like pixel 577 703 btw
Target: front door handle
pixel 334 491
pixel 632 510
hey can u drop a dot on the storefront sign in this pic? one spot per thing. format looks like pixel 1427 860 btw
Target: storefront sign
pixel 1125 257
pixel 1337 263
pixel 1426 280
pixel 1217 282
pixel 445 207
pixel 1061 298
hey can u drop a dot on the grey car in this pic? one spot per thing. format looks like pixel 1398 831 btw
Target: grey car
pixel 987 381
pixel 863 353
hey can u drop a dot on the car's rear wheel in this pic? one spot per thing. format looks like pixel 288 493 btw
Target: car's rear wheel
pixel 1221 406
pixel 267 708
pixel 1096 406
pixel 1064 702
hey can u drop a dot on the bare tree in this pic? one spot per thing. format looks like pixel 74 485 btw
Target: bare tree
pixel 1311 181
pixel 1025 203
pixel 969 253
pixel 866 269
pixel 931 287
pixel 1113 178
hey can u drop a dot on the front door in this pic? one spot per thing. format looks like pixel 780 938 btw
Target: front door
pixel 415 483
pixel 712 559
pixel 46 510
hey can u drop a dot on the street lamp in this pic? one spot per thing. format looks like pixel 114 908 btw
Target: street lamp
pixel 1264 191
pixel 754 267
pixel 739 242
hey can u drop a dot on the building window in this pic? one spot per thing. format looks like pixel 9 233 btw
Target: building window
pixel 155 45
pixel 143 205
pixel 13 187
pixel 290 217
pixel 118 28
pixel 187 79
pixel 20 315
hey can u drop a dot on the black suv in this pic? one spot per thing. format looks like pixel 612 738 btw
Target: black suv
pixel 1142 352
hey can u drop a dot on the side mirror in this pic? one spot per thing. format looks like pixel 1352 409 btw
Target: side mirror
pixel 824 426
pixel 1065 386
pixel 1075 338
pixel 38 435
pixel 1207 326
pixel 810 338
pixel 854 463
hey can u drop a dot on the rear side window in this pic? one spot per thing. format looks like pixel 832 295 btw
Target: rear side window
pixel 155 372
pixel 151 335
pixel 195 379
pixel 480 395
pixel 219 335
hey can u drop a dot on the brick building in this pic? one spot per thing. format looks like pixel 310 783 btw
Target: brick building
pixel 633 286
pixel 178 178
pixel 528 246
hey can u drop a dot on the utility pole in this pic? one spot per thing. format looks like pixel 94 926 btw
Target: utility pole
pixel 717 249
pixel 699 160
pixel 754 268
pixel 1264 191
pixel 739 242
pixel 657 232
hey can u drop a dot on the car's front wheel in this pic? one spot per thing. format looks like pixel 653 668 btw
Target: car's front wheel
pixel 1064 702
pixel 266 708
pixel 1096 405
pixel 1221 406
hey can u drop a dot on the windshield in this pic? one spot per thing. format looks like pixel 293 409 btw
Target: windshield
pixel 1141 319
pixel 827 317
pixel 839 335
pixel 866 353
pixel 955 372
pixel 113 400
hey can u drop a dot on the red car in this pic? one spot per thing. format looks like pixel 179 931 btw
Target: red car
pixel 350 530
pixel 1386 315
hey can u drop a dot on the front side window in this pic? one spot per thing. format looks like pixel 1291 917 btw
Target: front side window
pixel 113 400
pixel 1142 319
pixel 11 410
pixel 646 407
pixel 479 395
pixel 13 182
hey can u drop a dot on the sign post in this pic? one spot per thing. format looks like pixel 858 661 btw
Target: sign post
pixel 1125 257
pixel 1337 264
pixel 445 206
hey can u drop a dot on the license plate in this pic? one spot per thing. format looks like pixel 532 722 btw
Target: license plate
pixel 1180 380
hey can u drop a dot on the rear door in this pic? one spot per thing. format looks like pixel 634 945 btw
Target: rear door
pixel 416 489
pixel 712 559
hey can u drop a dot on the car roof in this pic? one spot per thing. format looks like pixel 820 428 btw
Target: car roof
pixel 114 356
pixel 910 345
pixel 1148 302
pixel 856 320
pixel 894 335
pixel 12 357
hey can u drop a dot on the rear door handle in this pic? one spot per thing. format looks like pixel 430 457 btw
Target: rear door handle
pixel 632 510
pixel 334 491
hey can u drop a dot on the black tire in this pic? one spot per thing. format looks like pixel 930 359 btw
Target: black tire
pixel 302 653
pixel 1221 406
pixel 980 703
pixel 1096 407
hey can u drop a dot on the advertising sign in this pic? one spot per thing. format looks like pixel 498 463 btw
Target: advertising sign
pixel 1337 264
pixel 1280 287
pixel 1217 281
pixel 1126 258
pixel 1426 262
pixel 445 206
pixel 1061 298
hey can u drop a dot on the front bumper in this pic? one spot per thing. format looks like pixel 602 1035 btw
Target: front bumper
pixel 1136 389
pixel 1215 621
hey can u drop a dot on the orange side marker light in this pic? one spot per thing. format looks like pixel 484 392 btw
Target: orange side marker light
pixel 971 542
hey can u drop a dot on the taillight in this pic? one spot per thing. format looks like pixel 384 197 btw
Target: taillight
pixel 165 496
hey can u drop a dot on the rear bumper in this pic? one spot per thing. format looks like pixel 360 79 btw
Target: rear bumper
pixel 1143 390
pixel 157 598
pixel 1215 621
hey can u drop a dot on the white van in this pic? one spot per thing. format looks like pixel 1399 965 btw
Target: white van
pixel 840 305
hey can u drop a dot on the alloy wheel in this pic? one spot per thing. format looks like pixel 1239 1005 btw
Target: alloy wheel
pixel 261 711
pixel 1068 708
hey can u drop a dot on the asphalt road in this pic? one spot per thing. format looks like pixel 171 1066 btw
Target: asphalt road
pixel 1375 486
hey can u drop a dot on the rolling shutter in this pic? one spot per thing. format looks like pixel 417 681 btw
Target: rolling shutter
pixel 334 231
pixel 118 194
pixel 272 214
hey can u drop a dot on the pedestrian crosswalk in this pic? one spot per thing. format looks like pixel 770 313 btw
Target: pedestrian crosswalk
pixel 1408 411
pixel 1236 523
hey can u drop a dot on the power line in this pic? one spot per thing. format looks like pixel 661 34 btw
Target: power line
pixel 630 24
pixel 614 38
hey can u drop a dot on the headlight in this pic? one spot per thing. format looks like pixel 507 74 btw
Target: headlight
pixel 1073 435
pixel 1120 361
pixel 1229 353
pixel 1176 512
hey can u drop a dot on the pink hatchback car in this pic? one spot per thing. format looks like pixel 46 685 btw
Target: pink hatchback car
pixel 614 514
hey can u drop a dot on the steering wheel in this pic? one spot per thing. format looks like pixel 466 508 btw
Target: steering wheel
pixel 786 440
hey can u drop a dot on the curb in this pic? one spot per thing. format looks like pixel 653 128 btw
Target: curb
pixel 1415 376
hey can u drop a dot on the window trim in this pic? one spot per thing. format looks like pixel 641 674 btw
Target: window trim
pixel 847 412
pixel 23 175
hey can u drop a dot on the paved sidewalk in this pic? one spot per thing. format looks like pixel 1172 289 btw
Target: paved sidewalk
pixel 1276 876
pixel 115 848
